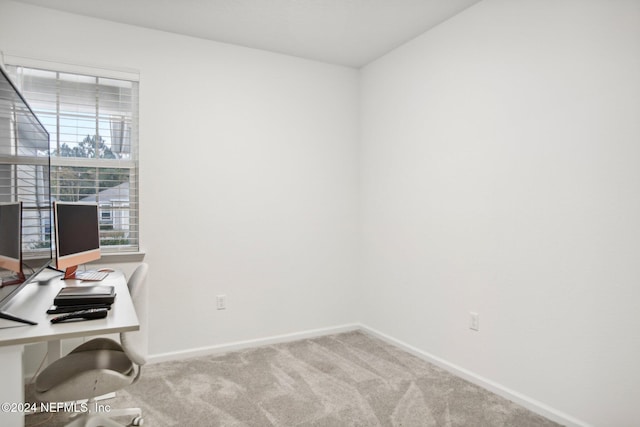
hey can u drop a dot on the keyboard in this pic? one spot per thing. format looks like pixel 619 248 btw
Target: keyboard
pixel 92 275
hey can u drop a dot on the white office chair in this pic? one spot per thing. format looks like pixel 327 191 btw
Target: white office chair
pixel 101 366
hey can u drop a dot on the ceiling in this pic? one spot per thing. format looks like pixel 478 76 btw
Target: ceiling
pixel 345 32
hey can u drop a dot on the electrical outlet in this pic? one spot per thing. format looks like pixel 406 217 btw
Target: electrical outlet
pixel 474 321
pixel 221 302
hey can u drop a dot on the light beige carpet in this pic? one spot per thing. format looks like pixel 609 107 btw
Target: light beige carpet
pixel 348 379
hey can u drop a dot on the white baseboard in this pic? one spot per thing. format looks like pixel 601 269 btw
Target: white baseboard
pixel 522 400
pixel 239 345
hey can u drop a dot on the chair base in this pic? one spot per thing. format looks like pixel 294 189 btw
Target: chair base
pixel 103 419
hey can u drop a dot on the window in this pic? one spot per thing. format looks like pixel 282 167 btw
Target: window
pixel 93 125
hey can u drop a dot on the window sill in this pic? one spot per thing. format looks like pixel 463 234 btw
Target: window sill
pixel 113 257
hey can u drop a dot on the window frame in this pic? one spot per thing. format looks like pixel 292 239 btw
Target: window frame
pixel 129 166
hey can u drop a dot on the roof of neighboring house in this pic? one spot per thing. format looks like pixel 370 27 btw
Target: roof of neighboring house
pixel 119 192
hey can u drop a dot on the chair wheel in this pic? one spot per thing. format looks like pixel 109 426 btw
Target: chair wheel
pixel 137 421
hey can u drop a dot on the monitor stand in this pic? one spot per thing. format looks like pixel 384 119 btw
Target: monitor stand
pixel 19 279
pixel 7 316
pixel 70 273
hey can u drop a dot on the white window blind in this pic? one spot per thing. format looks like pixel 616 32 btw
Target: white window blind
pixel 93 127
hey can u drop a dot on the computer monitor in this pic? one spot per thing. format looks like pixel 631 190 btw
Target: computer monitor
pixel 24 177
pixel 77 233
pixel 11 244
pixel 11 269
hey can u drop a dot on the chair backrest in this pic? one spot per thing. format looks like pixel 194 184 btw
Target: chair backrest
pixel 135 343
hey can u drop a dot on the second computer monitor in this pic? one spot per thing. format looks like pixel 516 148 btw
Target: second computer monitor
pixel 77 235
pixel 10 243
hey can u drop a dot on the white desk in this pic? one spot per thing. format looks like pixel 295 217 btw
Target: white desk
pixel 32 303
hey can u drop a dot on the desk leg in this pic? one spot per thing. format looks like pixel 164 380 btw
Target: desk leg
pixel 53 351
pixel 12 390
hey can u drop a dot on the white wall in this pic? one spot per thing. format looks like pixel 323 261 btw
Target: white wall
pixel 501 175
pixel 248 176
